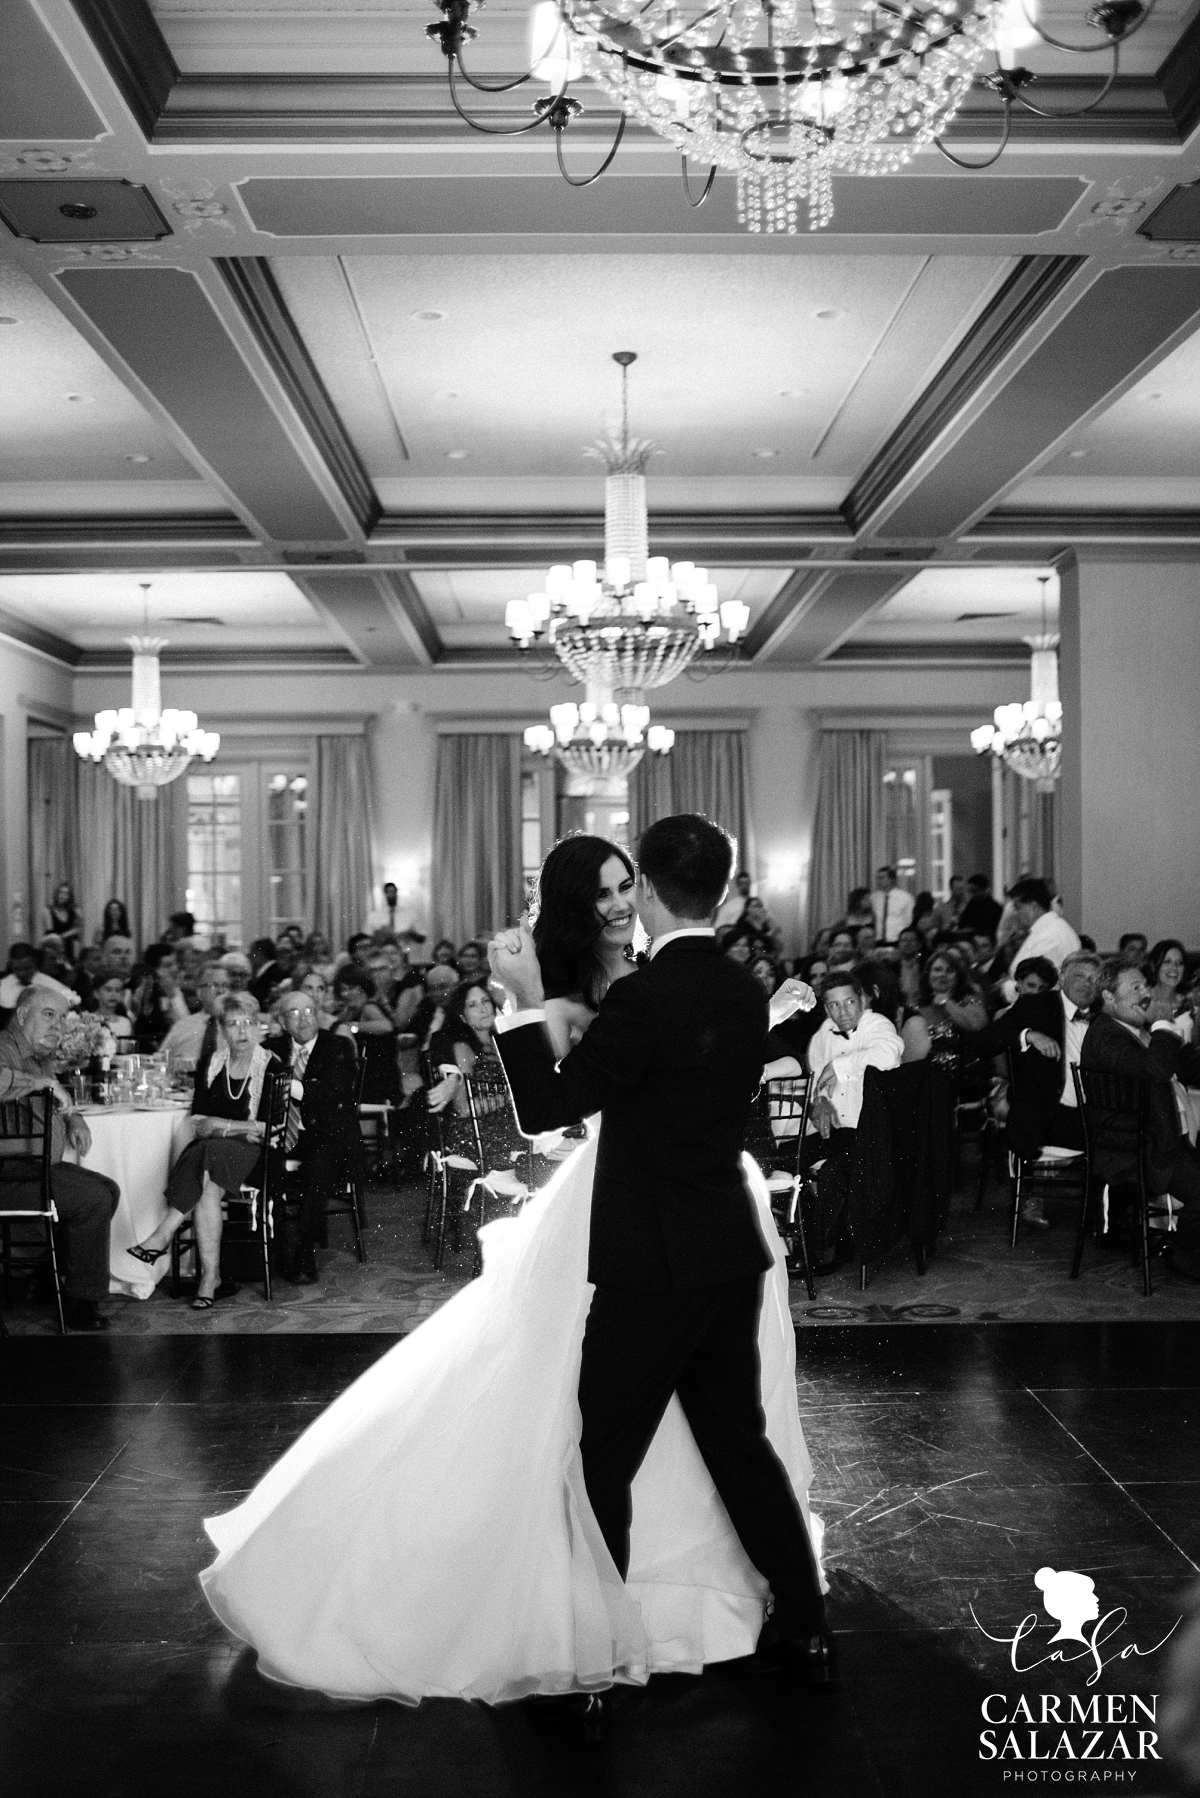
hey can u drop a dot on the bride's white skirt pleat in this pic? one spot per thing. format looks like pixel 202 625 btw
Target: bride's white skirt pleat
pixel 430 1534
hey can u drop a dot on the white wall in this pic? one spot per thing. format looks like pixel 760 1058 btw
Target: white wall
pixel 782 712
pixel 1130 667
pixel 30 684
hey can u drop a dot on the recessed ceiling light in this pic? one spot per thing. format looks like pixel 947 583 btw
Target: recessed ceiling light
pixel 450 393
pixel 430 314
pixel 793 393
pixel 1146 399
pixel 457 455
pixel 764 455
pixel 139 459
pixel 1078 455
pixel 7 319
pixel 81 399
pixel 827 312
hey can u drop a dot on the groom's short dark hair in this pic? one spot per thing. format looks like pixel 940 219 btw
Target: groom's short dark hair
pixel 688 860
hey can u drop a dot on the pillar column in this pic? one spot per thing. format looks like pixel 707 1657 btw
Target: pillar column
pixel 783 775
pixel 1130 683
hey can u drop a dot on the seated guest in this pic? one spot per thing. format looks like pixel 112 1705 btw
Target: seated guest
pixel 866 941
pixel 287 954
pixel 1133 946
pixel 733 904
pixel 1044 1032
pixel 157 1002
pixel 228 1104
pixel 24 970
pixel 358 947
pixel 85 1201
pixel 114 921
pixel 467 1042
pixel 881 986
pixel 472 961
pixel 53 965
pixel 64 920
pixel 923 920
pixel 858 908
pixel 950 1012
pixel 193 1039
pixel 1168 960
pixel 981 914
pixel 266 973
pixel 319 955
pixel 841 940
pixel 406 988
pixel 947 911
pixel 764 970
pixel 908 966
pixel 368 1023
pixel 755 928
pixel 179 929
pixel 1034 974
pixel 325 1070
pixel 315 983
pixel 1121 1041
pixel 118 954
pixel 108 1002
pixel 444 953
pixel 238 968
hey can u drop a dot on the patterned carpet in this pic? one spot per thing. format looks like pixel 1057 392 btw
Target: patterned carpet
pixel 973 1278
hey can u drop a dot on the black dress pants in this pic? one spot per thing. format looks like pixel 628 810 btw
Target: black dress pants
pixel 639 1348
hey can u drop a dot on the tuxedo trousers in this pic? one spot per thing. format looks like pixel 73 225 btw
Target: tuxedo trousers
pixel 701 1342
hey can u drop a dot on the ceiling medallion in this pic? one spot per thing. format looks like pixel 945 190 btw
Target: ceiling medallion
pixel 1028 738
pixel 142 745
pixel 783 94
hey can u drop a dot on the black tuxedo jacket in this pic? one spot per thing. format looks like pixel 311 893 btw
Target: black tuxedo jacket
pixel 1108 1046
pixel 329 1109
pixel 1037 1083
pixel 672 1063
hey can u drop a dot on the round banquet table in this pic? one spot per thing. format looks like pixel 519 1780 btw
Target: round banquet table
pixel 135 1148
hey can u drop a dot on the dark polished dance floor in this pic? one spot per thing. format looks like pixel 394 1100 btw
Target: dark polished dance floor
pixel 952 1463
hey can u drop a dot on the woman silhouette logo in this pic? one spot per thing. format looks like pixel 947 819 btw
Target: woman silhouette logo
pixel 1070 1598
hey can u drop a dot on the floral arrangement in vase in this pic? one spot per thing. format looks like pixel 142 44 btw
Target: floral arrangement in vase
pixel 84 1036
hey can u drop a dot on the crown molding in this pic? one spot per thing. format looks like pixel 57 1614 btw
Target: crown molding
pixel 1065 527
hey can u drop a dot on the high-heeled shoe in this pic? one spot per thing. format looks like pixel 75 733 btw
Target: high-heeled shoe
pixel 147 1256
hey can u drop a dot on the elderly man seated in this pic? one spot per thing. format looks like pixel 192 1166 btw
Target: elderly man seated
pixel 1120 1040
pixel 193 1039
pixel 325 1104
pixel 85 1201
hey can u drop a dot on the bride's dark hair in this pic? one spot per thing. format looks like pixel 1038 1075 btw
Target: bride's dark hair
pixel 567 928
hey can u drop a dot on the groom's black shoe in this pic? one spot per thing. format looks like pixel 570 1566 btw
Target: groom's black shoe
pixel 811 1660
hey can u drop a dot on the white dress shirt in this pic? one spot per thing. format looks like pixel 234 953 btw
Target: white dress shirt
pixel 893 912
pixel 873 1043
pixel 1050 936
pixel 1075 1023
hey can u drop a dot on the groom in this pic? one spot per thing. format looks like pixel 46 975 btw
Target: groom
pixel 672 1063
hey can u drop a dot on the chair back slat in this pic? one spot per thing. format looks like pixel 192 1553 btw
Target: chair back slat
pixel 1113 1110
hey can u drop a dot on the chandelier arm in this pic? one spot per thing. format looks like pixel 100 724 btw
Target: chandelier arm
pixel 1078 112
pixel 586 180
pixel 687 188
pixel 1087 49
pixel 959 161
pixel 489 130
pixel 484 87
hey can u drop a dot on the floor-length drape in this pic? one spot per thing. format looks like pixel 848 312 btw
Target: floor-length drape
pixel 53 836
pixel 130 849
pixel 477 884
pixel 706 771
pixel 342 853
pixel 848 832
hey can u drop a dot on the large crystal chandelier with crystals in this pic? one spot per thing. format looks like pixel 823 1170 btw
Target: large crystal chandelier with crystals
pixel 600 739
pixel 142 745
pixel 1028 738
pixel 785 93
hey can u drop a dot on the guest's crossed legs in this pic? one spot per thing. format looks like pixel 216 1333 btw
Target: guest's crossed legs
pixel 638 1348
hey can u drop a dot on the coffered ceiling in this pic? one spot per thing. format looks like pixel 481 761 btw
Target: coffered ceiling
pixel 327 367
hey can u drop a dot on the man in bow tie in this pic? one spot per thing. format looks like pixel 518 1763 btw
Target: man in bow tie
pixel 324 1071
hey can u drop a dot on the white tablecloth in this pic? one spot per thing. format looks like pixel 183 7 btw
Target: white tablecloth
pixel 136 1149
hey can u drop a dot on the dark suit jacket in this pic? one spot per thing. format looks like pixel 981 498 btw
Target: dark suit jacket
pixel 329 1109
pixel 1037 1085
pixel 672 1063
pixel 1108 1046
pixel 981 912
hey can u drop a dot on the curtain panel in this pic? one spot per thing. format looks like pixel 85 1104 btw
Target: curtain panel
pixel 848 833
pixel 477 880
pixel 344 874
pixel 707 771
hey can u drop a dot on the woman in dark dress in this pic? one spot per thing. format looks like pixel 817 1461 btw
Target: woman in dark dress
pixel 228 1105
pixel 64 919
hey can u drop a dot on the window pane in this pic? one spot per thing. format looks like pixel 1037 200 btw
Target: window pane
pixel 286 801
pixel 214 888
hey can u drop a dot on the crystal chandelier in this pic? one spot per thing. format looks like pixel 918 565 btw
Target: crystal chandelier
pixel 784 94
pixel 1028 738
pixel 141 745
pixel 600 739
pixel 638 624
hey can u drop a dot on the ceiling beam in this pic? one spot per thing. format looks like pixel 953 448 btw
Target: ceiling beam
pixel 384 624
pixel 1128 319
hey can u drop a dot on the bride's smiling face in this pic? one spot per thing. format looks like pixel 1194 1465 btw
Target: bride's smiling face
pixel 614 904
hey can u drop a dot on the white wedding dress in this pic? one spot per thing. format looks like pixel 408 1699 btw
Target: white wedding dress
pixel 430 1535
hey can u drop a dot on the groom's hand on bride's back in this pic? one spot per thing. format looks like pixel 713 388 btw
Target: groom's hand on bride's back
pixel 513 960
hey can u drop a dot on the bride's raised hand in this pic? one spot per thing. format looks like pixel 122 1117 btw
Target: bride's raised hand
pixel 514 963
pixel 794 995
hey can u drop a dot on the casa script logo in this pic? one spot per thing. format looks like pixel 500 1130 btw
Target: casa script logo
pixel 1051 1737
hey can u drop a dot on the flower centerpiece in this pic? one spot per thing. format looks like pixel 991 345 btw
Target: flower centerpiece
pixel 84 1036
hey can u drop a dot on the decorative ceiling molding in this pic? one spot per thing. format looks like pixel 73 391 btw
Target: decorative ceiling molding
pixel 32 636
pixel 222 661
pixel 135 53
pixel 254 289
pixel 147 530
pixel 867 654
pixel 1179 77
pixel 777 619
pixel 1087 527
pixel 511 539
pixel 1034 284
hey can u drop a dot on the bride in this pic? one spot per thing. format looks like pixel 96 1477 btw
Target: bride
pixel 430 1534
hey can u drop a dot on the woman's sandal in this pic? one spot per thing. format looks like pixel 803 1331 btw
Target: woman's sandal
pixel 147 1256
pixel 226 1290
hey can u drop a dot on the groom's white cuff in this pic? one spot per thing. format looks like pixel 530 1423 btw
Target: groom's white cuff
pixel 513 1020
